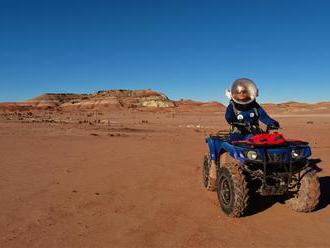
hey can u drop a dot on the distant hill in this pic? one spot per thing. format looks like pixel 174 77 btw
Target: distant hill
pixel 107 99
pixel 188 105
pixel 146 99
pixel 297 108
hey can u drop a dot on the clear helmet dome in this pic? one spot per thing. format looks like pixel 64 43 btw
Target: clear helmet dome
pixel 243 91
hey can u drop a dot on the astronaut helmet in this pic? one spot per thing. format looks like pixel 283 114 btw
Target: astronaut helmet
pixel 243 91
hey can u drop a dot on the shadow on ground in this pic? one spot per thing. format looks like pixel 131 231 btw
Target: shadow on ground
pixel 325 192
pixel 260 203
pixel 324 185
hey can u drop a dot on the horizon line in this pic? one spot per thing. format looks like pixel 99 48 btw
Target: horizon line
pixel 160 92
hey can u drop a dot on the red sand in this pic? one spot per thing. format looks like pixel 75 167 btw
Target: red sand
pixel 136 182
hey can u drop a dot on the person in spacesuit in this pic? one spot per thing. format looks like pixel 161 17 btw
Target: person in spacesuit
pixel 243 113
pixel 243 110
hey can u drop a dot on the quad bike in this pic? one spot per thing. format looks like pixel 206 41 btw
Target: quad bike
pixel 266 164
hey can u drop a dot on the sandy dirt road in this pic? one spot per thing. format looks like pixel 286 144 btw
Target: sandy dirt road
pixel 139 185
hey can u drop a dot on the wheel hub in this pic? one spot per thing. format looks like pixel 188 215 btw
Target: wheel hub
pixel 225 191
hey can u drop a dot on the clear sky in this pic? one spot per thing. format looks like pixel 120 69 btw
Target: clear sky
pixel 186 49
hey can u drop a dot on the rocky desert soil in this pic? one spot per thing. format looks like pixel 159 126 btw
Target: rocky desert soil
pixel 132 178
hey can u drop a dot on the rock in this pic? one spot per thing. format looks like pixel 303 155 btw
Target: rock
pixel 105 122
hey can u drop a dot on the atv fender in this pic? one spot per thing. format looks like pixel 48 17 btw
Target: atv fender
pixel 219 146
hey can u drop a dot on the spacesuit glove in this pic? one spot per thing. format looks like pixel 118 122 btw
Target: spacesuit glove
pixel 274 125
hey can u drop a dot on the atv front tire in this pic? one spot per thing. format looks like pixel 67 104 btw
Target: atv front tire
pixel 232 190
pixel 308 195
pixel 209 182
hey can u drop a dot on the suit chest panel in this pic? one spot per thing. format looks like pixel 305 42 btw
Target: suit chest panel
pixel 248 115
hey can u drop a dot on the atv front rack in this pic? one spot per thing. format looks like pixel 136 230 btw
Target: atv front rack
pixel 280 180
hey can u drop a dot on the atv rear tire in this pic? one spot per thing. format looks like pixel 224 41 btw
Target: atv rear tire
pixel 209 183
pixel 307 197
pixel 232 190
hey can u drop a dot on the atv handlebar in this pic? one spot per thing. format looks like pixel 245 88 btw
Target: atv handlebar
pixel 248 126
pixel 241 124
pixel 252 128
pixel 269 128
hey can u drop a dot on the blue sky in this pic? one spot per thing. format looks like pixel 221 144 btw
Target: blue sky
pixel 186 49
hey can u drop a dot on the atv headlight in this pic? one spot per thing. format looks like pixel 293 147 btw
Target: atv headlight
pixel 252 155
pixel 296 153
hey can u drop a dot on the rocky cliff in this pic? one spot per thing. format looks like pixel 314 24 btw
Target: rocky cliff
pixel 146 100
pixel 107 99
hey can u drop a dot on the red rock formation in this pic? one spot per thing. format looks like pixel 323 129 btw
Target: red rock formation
pixel 143 100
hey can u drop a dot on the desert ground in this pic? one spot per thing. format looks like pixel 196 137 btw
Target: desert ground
pixel 133 179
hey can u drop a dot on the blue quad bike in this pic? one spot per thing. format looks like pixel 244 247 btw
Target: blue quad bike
pixel 269 169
